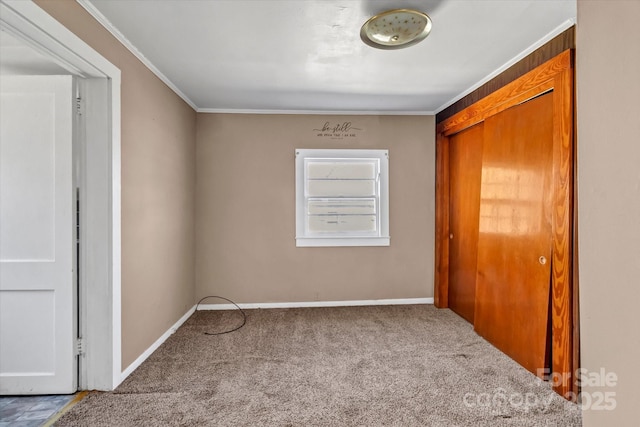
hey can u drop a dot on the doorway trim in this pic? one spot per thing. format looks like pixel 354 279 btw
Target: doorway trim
pixel 99 163
pixel 554 75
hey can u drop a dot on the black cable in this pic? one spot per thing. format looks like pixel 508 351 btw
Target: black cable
pixel 244 316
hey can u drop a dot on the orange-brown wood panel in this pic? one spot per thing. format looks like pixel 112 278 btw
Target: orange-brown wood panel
pixel 465 171
pixel 441 276
pixel 562 289
pixel 555 75
pixel 516 232
pixel 559 44
pixel 529 85
pixel 575 279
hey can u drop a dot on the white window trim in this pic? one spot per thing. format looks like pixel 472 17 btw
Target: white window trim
pixel 382 238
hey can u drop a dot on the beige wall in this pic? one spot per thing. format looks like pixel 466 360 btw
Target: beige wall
pixel 246 211
pixel 245 216
pixel 158 183
pixel 608 92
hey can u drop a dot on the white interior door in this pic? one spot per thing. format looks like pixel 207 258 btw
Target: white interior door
pixel 37 243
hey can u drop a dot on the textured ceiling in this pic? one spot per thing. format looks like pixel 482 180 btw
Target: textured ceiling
pixel 304 55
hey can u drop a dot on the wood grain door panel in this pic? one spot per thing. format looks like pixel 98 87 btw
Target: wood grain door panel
pixel 465 168
pixel 515 231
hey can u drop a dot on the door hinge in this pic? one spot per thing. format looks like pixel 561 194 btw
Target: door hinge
pixel 78 220
pixel 79 347
pixel 79 106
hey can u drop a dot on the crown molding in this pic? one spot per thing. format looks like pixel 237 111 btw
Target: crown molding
pixel 102 20
pixel 316 112
pixel 93 11
pixel 541 42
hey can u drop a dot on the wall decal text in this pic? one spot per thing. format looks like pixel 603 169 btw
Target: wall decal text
pixel 337 130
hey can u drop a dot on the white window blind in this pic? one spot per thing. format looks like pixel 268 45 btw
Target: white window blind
pixel 342 198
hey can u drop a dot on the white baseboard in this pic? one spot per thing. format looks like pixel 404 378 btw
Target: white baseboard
pixel 248 306
pixel 156 344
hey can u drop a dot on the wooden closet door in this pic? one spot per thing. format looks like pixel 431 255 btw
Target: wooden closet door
pixel 465 169
pixel 515 231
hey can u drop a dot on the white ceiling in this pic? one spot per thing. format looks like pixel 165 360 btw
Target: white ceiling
pixel 307 56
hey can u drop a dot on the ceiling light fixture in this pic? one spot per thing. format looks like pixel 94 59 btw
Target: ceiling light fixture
pixel 396 29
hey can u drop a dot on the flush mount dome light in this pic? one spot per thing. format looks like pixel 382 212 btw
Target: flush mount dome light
pixel 395 29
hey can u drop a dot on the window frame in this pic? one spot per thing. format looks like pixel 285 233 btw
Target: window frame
pixel 345 238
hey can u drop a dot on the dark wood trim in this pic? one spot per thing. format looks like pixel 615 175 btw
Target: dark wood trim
pixel 554 47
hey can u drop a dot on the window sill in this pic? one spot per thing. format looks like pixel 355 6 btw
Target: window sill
pixel 307 242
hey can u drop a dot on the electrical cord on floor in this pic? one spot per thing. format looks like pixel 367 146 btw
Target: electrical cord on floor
pixel 244 316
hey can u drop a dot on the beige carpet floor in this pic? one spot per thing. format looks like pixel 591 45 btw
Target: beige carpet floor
pixel 409 365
